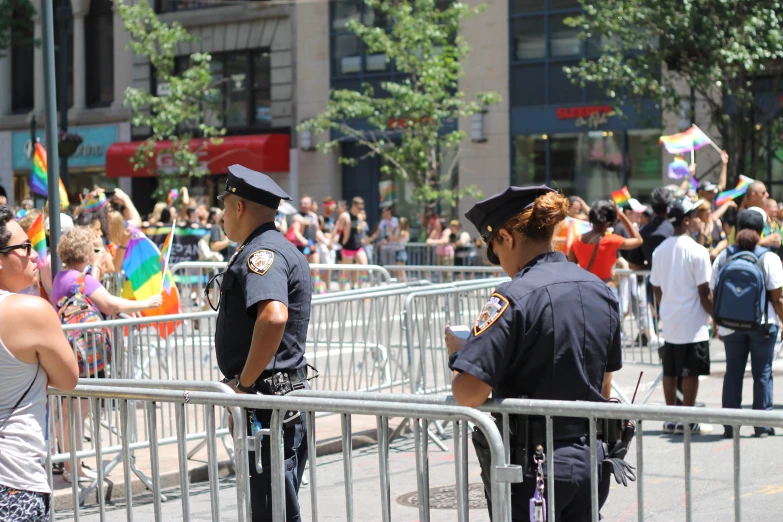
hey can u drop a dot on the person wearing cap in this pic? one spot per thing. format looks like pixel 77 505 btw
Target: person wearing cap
pixel 263 315
pixel 552 332
pixel 760 344
pixel 680 277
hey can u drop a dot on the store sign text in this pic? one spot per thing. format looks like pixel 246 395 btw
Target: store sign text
pixel 589 116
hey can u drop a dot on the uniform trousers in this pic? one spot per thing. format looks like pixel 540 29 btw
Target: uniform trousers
pixel 295 455
pixel 572 484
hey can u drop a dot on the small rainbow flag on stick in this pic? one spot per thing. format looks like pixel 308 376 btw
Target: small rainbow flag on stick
pixel 686 141
pixel 173 196
pixel 37 237
pixel 678 168
pixel 165 251
pixel 739 190
pixel 39 179
pixel 621 196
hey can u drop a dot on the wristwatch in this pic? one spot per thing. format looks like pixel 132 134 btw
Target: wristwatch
pixel 245 389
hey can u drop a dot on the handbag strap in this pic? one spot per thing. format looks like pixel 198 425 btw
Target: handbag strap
pixel 592 257
pixel 2 425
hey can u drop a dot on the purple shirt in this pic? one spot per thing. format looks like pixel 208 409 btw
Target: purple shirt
pixel 65 282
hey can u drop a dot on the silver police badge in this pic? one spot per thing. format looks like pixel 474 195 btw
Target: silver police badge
pixel 260 261
pixel 494 308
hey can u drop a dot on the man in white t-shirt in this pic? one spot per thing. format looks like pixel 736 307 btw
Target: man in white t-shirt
pixel 680 278
pixel 760 345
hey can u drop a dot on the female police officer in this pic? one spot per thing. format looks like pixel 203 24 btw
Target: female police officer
pixel 553 332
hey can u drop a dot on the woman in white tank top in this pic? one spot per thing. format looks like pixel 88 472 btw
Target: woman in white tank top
pixel 33 353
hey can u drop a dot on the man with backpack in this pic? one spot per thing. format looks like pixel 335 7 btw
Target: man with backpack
pixel 680 278
pixel 746 282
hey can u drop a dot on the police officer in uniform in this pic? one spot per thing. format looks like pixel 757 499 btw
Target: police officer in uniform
pixel 264 311
pixel 552 332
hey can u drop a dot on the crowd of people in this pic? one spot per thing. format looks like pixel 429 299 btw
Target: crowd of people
pixel 688 244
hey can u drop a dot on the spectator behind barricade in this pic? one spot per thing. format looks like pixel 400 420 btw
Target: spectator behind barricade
pixel 772 225
pixel 122 203
pixel 349 234
pixel 388 227
pixel 281 223
pixel 326 223
pixel 155 216
pixel 578 208
pixel 398 242
pixel 33 353
pixel 596 251
pixel 202 216
pixel 219 242
pixel 759 344
pixel 440 238
pixel 711 235
pixel 633 210
pixel 681 272
pixel 655 232
pixel 464 247
pixel 120 236
pixel 66 225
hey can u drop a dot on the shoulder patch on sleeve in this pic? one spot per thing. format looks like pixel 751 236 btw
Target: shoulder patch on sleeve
pixel 260 261
pixel 494 308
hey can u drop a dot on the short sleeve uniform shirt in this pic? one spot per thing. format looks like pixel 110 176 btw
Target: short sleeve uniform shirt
pixel 268 267
pixel 550 333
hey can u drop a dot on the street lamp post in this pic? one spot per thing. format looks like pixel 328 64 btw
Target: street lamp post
pixel 65 16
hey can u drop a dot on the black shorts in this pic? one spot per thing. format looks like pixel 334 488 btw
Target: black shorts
pixel 685 360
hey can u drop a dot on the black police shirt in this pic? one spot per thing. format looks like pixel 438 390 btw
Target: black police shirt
pixel 550 333
pixel 269 267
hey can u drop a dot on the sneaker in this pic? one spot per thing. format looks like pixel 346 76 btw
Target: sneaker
pixel 700 429
pixel 86 475
pixel 669 427
pixel 764 432
pixel 679 428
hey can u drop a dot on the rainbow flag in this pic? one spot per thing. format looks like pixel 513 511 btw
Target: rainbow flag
pixel 39 179
pixel 143 278
pixel 686 141
pixel 166 248
pixel 621 196
pixel 678 168
pixel 742 187
pixel 173 196
pixel 37 237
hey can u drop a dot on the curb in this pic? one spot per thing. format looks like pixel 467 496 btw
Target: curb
pixel 115 491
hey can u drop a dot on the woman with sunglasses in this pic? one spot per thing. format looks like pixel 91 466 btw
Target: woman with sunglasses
pixel 33 353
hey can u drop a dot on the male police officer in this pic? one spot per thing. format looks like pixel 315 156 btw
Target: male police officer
pixel 262 322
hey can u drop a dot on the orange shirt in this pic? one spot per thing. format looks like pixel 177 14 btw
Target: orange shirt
pixel 605 258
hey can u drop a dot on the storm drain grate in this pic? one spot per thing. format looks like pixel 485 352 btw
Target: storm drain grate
pixel 445 497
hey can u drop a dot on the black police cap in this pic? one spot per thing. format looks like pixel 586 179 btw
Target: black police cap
pixel 493 212
pixel 253 186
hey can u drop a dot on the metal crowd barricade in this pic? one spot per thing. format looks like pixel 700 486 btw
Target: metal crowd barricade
pixel 501 472
pixel 426 314
pixel 593 411
pixel 443 274
pixel 113 283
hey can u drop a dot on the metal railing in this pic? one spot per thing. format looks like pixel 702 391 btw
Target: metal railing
pixel 501 471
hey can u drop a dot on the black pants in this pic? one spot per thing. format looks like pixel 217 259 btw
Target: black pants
pixel 572 484
pixel 295 454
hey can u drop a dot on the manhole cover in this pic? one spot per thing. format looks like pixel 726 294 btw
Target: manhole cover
pixel 445 497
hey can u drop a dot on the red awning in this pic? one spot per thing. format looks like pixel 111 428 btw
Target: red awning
pixel 262 152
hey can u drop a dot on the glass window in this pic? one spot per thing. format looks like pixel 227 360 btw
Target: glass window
pixel 561 88
pixel 100 58
pixel 528 38
pixel 645 164
pixel 587 164
pixel 526 6
pixel 262 90
pixel 564 4
pixel 529 160
pixel 237 79
pixel 347 55
pixel 213 115
pixel 563 40
pixel 22 73
pixel 343 11
pixel 528 85
pixel 58 45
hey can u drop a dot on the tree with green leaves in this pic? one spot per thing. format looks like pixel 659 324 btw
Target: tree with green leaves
pixel 13 14
pixel 410 124
pixel 725 53
pixel 178 115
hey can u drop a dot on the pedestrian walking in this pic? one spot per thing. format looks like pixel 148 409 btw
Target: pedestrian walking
pixel 553 332
pixel 263 314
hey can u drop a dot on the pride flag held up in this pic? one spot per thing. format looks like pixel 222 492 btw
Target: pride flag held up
pixel 39 179
pixel 37 236
pixel 678 168
pixel 621 196
pixel 742 187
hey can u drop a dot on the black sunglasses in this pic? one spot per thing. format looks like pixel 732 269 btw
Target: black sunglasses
pixel 215 279
pixel 27 245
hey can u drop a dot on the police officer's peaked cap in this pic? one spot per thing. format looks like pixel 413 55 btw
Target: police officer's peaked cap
pixel 253 186
pixel 493 212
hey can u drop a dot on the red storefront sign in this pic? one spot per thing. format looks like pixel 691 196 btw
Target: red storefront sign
pixel 572 113
pixel 262 152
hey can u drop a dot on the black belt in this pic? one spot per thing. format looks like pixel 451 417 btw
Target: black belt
pixel 295 376
pixel 564 430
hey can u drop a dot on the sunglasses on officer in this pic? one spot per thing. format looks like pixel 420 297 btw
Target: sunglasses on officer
pixel 216 279
pixel 27 246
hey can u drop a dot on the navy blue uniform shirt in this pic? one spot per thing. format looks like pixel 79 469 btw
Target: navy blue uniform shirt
pixel 550 333
pixel 267 267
